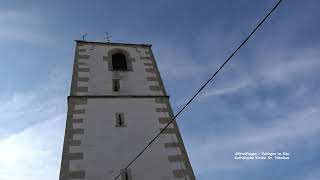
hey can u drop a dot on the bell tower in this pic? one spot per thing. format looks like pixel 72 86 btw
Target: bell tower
pixel 117 103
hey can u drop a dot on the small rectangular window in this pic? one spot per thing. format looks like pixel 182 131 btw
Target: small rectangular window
pixel 120 120
pixel 115 85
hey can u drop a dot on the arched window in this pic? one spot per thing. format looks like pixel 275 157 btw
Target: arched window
pixel 119 62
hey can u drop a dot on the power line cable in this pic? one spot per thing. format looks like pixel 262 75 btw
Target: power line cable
pixel 203 86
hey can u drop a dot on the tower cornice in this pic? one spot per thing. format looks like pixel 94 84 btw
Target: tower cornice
pixel 119 96
pixel 112 43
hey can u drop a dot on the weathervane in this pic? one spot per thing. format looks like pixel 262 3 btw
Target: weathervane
pixel 107 37
pixel 84 36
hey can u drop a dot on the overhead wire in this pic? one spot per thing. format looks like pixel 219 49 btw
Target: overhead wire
pixel 202 87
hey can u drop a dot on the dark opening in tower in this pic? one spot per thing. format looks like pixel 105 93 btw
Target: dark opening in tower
pixel 119 62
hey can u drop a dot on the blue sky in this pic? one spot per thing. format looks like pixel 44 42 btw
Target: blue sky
pixel 266 99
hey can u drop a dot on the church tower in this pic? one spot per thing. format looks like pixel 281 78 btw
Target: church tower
pixel 117 104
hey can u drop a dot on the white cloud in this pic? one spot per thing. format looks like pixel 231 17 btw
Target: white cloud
pixel 275 69
pixel 232 88
pixel 22 26
pixel 31 142
pixel 280 135
pixel 33 153
pixel 12 17
pixel 287 66
pixel 22 109
pixel 176 62
pixel 315 175
pixel 176 69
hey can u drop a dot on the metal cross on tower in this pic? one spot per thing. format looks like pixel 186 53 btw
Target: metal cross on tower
pixel 107 37
pixel 84 36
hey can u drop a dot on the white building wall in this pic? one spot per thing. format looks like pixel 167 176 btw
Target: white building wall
pixel 94 148
pixel 131 82
pixel 110 147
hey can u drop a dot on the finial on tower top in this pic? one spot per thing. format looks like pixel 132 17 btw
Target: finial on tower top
pixel 84 36
pixel 107 37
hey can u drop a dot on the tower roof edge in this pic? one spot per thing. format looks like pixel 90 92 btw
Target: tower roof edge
pixel 111 43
